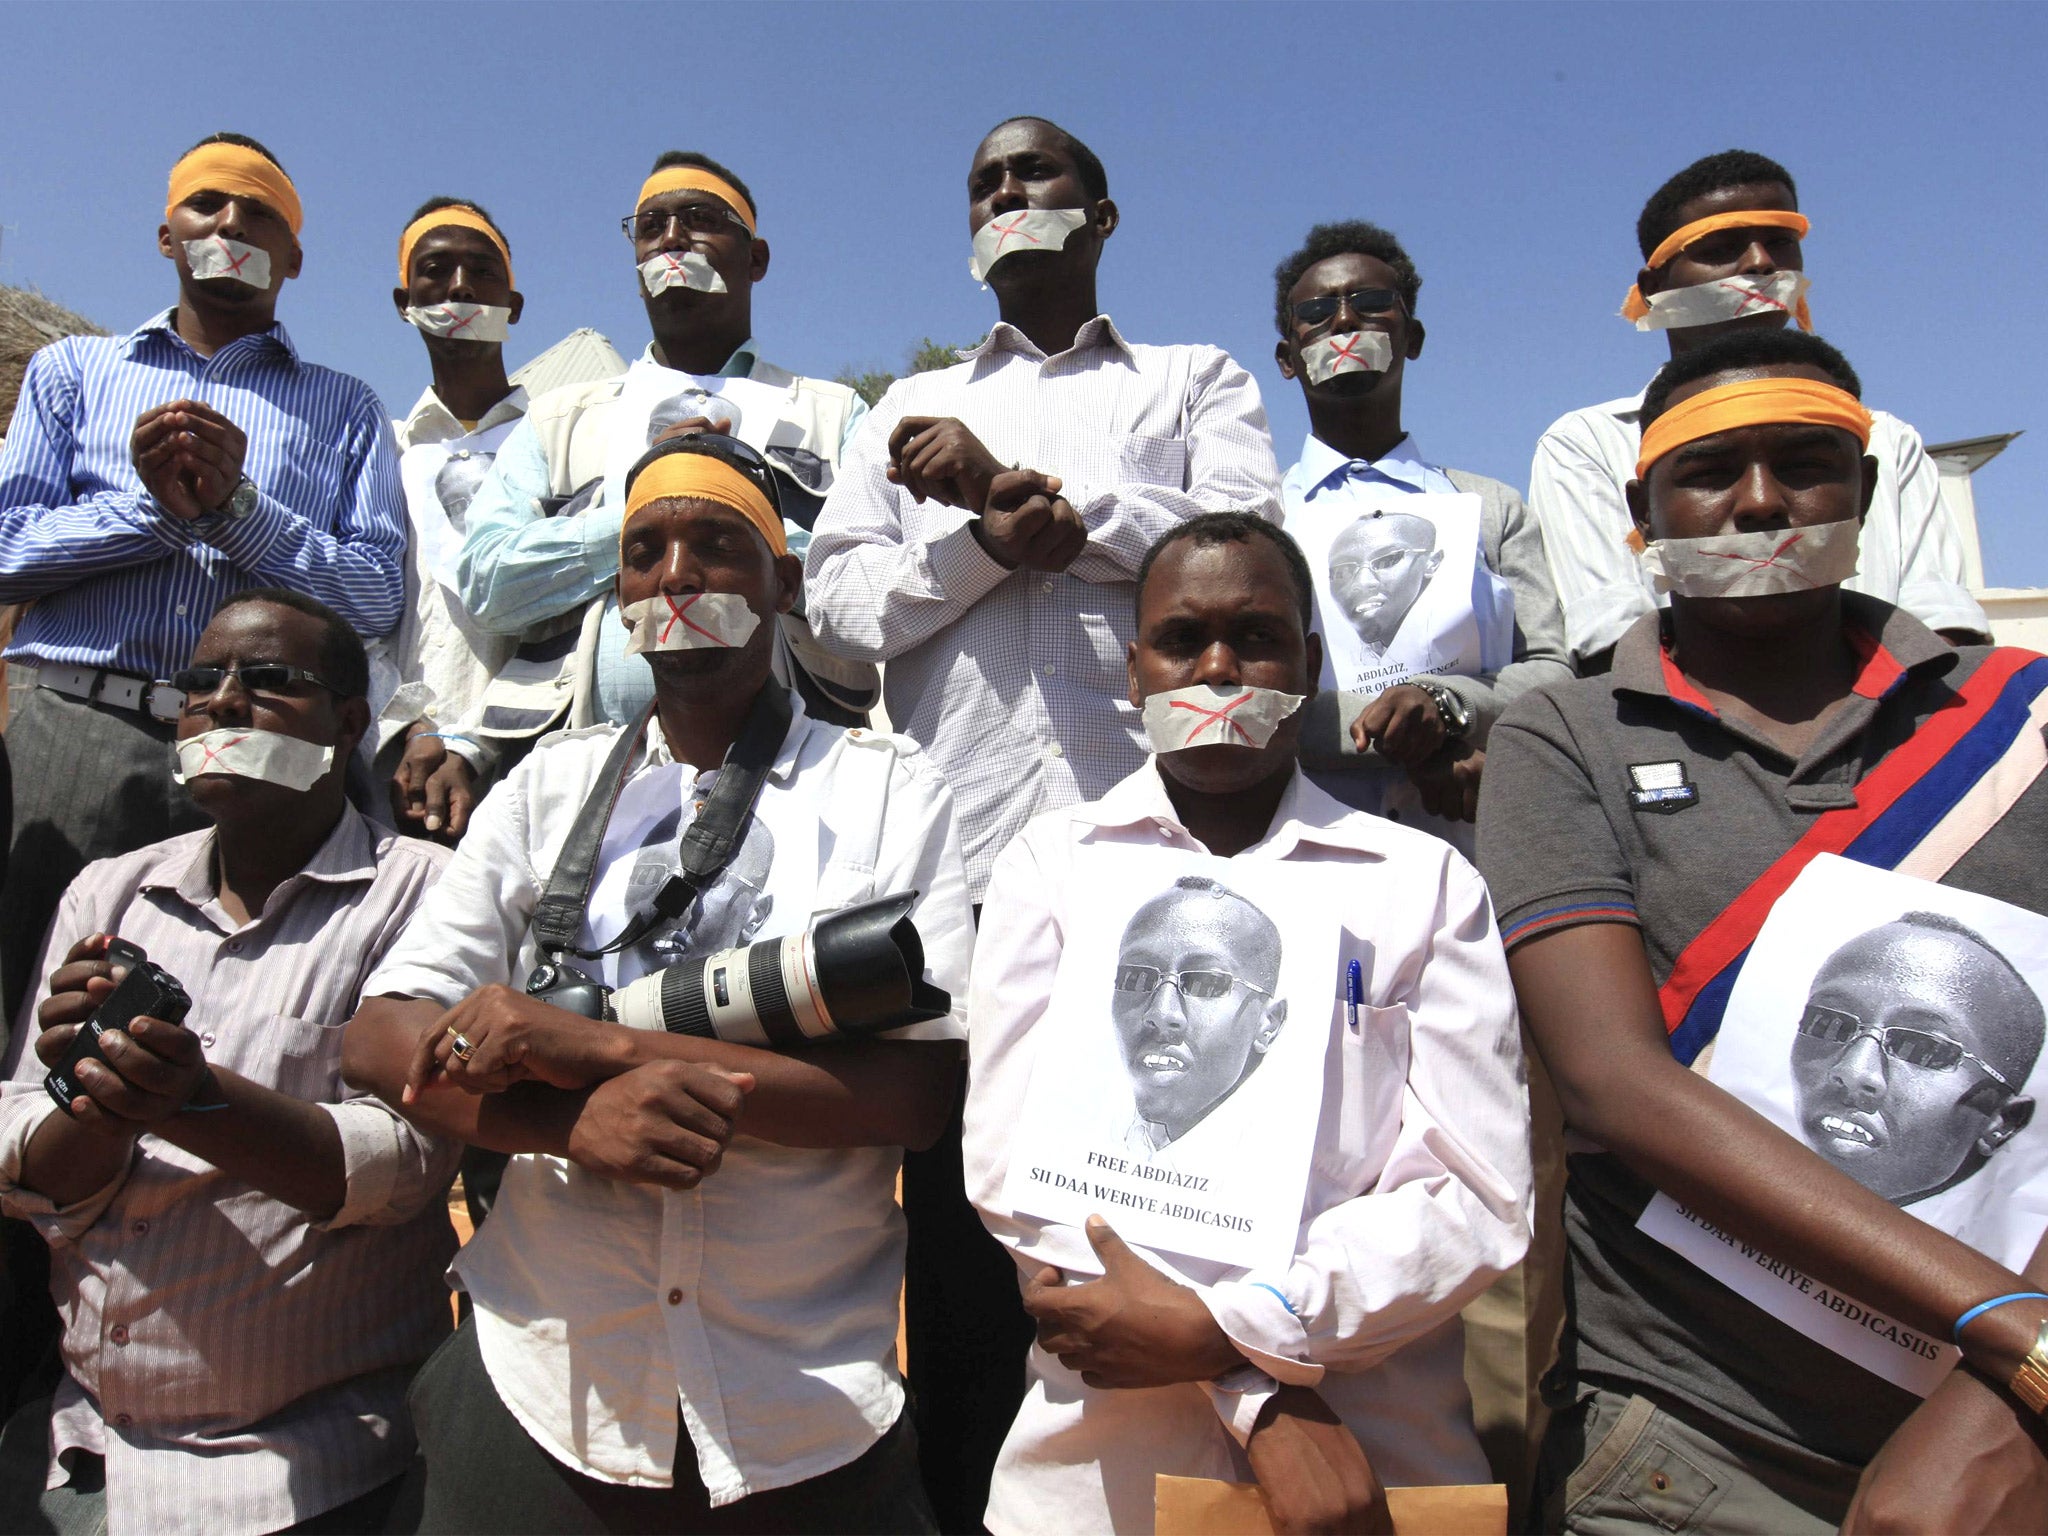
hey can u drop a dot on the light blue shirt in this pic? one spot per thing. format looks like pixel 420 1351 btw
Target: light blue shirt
pixel 518 569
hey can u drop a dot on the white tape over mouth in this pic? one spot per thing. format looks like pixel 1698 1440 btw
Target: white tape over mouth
pixel 218 256
pixel 249 753
pixel 696 621
pixel 1205 716
pixel 680 269
pixel 462 322
pixel 1023 229
pixel 1761 564
pixel 1727 298
pixel 1355 352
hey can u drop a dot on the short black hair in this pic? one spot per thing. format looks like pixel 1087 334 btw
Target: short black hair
pixel 1237 528
pixel 670 158
pixel 1094 179
pixel 343 661
pixel 436 204
pixel 1714 173
pixel 1745 349
pixel 1351 237
pixel 243 141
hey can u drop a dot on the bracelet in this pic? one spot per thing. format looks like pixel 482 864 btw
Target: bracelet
pixel 1982 1307
pixel 2030 1382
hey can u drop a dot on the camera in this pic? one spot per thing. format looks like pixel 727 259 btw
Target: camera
pixel 854 971
pixel 147 991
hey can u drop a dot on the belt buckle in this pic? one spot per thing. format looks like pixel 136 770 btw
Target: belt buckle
pixel 163 702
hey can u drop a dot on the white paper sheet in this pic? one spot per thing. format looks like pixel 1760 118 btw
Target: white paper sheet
pixel 462 322
pixel 1726 298
pixel 1022 229
pixel 696 621
pixel 680 269
pixel 1353 352
pixel 1940 1144
pixel 1203 716
pixel 1759 564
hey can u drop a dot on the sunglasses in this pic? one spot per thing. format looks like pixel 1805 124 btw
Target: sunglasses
pixel 273 678
pixel 1363 301
pixel 1915 1047
pixel 1205 985
pixel 696 219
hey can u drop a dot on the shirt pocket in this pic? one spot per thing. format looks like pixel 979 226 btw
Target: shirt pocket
pixel 299 1057
pixel 1365 1086
pixel 1146 460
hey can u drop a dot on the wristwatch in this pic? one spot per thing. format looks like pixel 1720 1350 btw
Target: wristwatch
pixel 1457 719
pixel 2030 1383
pixel 241 500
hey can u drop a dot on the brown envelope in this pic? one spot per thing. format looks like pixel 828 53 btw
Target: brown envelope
pixel 1200 1506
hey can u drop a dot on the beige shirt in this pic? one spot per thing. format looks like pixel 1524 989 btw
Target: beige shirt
pixel 241 1366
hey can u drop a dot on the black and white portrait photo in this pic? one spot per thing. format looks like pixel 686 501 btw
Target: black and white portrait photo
pixel 729 912
pixel 1379 567
pixel 1194 1003
pixel 1910 1056
pixel 1895 1026
pixel 1178 1075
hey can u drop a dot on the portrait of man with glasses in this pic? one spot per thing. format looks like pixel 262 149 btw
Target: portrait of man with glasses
pixel 1911 1056
pixel 1194 1004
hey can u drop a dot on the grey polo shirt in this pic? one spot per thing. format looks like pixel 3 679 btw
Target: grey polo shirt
pixel 1562 843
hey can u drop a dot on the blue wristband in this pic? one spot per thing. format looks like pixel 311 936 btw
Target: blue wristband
pixel 1985 1306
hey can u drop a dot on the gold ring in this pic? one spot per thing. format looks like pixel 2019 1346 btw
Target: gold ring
pixel 458 1042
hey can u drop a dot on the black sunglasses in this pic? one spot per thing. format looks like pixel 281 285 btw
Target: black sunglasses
pixel 264 677
pixel 1363 301
pixel 1915 1047
pixel 696 219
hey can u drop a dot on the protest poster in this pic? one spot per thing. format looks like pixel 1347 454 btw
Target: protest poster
pixel 1179 1082
pixel 1895 1026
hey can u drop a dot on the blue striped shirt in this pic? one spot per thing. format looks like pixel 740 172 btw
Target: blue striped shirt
pixel 119 582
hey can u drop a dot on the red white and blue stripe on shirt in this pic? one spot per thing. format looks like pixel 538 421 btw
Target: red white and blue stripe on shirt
pixel 116 580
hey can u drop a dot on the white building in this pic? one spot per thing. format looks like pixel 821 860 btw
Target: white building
pixel 2019 615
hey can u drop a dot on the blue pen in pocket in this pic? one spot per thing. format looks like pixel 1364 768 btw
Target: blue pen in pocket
pixel 1354 993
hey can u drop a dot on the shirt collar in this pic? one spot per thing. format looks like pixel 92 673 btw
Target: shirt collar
pixel 656 753
pixel 166 324
pixel 739 366
pixel 1305 814
pixel 430 421
pixel 348 855
pixel 1890 643
pixel 1101 332
pixel 1323 465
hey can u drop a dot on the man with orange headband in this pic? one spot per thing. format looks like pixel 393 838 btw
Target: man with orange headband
pixel 983 542
pixel 455 286
pixel 539 554
pixel 1636 829
pixel 685 1296
pixel 145 478
pixel 1722 253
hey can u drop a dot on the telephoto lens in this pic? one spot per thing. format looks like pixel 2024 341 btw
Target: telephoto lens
pixel 853 972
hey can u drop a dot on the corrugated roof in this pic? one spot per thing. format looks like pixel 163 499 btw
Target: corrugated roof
pixel 581 357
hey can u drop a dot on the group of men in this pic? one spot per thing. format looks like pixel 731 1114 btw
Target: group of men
pixel 446 774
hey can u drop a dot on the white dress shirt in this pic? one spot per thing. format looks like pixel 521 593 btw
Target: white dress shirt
pixel 1402 1226
pixel 1014 680
pixel 1909 555
pixel 240 1365
pixel 440 659
pixel 764 1300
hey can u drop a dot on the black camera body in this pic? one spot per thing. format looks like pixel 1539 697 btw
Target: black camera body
pixel 566 987
pixel 147 991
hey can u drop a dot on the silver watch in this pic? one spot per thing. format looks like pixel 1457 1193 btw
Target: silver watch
pixel 1457 718
pixel 241 500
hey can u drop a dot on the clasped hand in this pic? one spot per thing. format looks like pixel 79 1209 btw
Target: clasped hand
pixel 1133 1327
pixel 1020 517
pixel 189 457
pixel 152 1068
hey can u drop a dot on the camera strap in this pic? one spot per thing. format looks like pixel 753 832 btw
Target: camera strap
pixel 708 843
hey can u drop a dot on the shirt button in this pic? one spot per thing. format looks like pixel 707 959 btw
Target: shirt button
pixel 181 606
pixel 234 946
pixel 1045 586
pixel 140 1229
pixel 675 1298
pixel 1049 669
pixel 1055 750
pixel 120 1333
pixel 123 1420
pixel 206 1039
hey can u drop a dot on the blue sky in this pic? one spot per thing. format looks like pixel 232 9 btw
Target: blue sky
pixel 1509 146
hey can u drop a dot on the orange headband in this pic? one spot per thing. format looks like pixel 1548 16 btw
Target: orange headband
pixel 1751 403
pixel 701 477
pixel 691 178
pixel 457 216
pixel 238 172
pixel 1635 306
